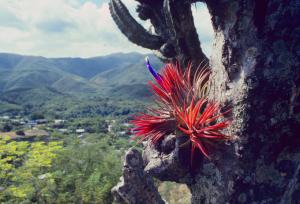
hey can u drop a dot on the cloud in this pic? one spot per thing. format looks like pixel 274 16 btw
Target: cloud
pixel 203 24
pixel 59 28
pixel 54 26
pixel 8 19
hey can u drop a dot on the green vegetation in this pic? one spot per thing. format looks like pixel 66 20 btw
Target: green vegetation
pixel 85 173
pixel 8 107
pixel 64 166
pixel 44 78
pixel 175 193
pixel 64 125
pixel 24 170
pixel 66 169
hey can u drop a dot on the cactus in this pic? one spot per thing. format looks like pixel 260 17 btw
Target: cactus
pixel 172 36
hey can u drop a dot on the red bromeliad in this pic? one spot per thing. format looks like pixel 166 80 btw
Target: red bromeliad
pixel 153 126
pixel 182 106
pixel 201 126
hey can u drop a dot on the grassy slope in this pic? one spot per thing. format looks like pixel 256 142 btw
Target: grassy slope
pixel 27 80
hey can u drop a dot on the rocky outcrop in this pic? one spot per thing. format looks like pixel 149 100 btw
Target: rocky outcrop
pixel 135 187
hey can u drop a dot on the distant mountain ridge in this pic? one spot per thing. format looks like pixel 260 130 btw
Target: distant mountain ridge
pixel 117 74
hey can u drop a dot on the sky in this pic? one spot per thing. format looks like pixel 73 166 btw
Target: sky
pixel 75 28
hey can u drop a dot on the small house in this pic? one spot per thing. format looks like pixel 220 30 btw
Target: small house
pixel 80 131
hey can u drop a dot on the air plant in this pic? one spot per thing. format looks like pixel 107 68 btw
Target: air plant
pixel 182 108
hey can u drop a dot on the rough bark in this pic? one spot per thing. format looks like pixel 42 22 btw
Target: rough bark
pixel 135 186
pixel 172 35
pixel 256 69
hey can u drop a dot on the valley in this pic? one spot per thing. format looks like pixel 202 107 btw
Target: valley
pixel 65 125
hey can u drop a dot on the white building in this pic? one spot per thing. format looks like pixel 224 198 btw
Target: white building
pixel 5 117
pixel 59 121
pixel 63 130
pixel 80 131
pixel 109 128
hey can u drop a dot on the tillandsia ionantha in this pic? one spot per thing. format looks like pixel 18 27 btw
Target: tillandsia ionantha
pixel 183 108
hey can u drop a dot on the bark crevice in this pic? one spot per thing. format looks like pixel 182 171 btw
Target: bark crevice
pixel 256 69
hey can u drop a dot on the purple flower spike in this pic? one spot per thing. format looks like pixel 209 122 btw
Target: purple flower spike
pixel 152 71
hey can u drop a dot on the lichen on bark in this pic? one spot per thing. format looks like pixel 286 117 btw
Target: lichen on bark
pixel 256 68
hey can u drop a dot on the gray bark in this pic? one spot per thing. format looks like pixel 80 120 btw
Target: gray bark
pixel 256 69
pixel 172 36
pixel 135 187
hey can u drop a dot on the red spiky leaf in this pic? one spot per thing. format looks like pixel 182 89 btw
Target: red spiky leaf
pixel 202 126
pixel 182 105
pixel 152 127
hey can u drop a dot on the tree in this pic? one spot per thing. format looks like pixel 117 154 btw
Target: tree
pixel 20 132
pixel 36 116
pixel 86 172
pixel 6 127
pixel 255 69
pixel 24 170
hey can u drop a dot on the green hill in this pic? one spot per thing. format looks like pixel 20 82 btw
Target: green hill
pixel 9 61
pixel 88 68
pixel 134 73
pixel 39 72
pixel 24 78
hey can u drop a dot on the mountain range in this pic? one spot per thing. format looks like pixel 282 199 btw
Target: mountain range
pixel 117 74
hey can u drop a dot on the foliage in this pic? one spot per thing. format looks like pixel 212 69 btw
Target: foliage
pixel 6 127
pixel 36 116
pixel 83 171
pixel 86 172
pixel 90 124
pixel 8 107
pixel 25 170
pixel 183 106
pixel 175 193
pixel 65 167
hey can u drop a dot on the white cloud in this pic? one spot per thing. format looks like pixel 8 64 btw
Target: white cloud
pixel 202 20
pixel 57 28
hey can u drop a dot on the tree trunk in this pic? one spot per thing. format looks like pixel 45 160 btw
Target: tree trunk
pixel 256 69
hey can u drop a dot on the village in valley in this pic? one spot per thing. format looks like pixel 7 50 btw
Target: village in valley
pixel 23 128
pixel 55 139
